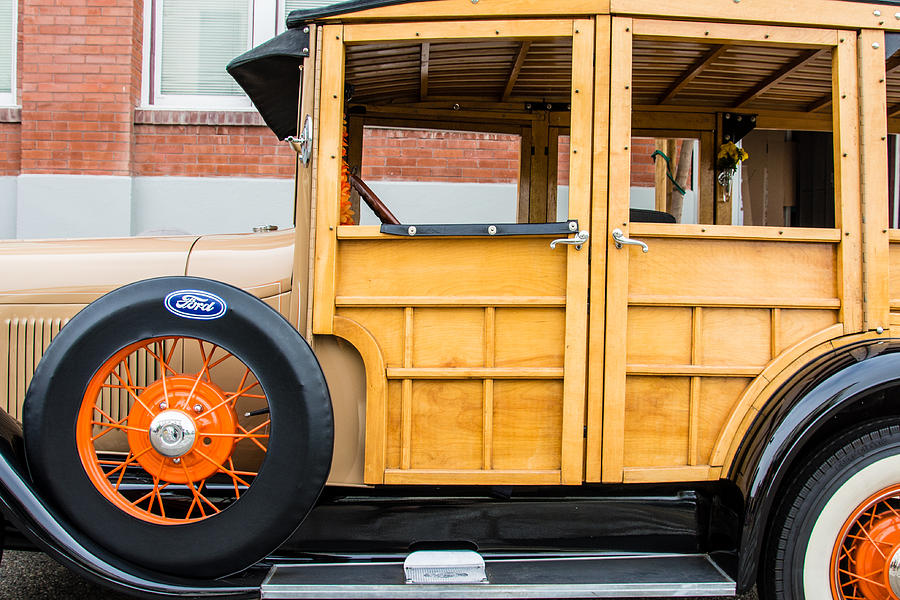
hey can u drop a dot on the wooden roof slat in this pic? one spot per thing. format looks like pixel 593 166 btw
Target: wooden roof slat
pixel 695 70
pixel 819 104
pixel 779 76
pixel 514 72
pixel 892 63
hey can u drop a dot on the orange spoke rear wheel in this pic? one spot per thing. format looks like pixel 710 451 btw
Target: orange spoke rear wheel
pixel 860 561
pixel 171 445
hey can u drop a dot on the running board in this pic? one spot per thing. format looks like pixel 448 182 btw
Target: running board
pixel 619 576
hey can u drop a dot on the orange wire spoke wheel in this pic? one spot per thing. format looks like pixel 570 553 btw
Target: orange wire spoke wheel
pixel 172 430
pixel 866 556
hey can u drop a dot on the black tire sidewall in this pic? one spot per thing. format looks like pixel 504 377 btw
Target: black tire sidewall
pixel 299 449
pixel 815 486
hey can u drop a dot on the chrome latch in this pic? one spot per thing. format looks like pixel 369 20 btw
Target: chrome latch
pixel 580 238
pixel 303 144
pixel 620 240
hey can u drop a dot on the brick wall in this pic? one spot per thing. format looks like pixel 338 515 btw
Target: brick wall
pixel 9 149
pixel 77 85
pixel 79 80
pixel 427 155
pixel 210 151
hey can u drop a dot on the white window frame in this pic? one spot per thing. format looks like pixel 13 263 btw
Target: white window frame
pixel 267 19
pixel 9 98
pixel 262 26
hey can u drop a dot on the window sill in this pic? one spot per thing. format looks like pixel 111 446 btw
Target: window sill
pixel 10 114
pixel 155 116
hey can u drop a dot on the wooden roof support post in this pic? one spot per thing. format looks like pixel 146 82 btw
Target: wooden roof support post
pixel 514 72
pixel 423 70
pixel 304 199
pixel 695 69
pixel 599 228
pixel 540 150
pixel 845 117
pixel 577 282
pixel 873 175
pixel 619 174
pixel 781 75
pixel 328 183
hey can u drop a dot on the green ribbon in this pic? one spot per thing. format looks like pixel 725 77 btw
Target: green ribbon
pixel 678 188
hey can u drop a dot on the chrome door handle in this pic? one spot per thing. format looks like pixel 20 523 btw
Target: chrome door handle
pixel 580 238
pixel 620 240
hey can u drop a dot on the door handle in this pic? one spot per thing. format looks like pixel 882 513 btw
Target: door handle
pixel 580 238
pixel 620 240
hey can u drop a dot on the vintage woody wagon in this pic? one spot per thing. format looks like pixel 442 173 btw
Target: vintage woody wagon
pixel 574 389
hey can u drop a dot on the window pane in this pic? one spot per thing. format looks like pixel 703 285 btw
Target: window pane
pixel 199 37
pixel 440 176
pixel 7 27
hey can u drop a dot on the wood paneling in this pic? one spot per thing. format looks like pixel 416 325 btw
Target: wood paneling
pixel 527 424
pixel 473 361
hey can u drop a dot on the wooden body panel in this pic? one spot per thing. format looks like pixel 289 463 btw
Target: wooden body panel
pixel 696 341
pixel 473 348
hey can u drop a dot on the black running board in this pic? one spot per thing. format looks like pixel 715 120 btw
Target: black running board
pixel 618 576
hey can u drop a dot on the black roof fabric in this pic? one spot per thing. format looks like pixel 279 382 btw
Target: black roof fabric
pixel 270 74
pixel 299 17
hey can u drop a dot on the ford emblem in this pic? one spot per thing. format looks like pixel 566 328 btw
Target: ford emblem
pixel 194 304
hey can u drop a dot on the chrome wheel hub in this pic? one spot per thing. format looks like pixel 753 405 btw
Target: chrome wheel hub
pixel 172 433
pixel 893 572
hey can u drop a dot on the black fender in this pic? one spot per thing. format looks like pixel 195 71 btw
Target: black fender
pixel 834 391
pixel 26 510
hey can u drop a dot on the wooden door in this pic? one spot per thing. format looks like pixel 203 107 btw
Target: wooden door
pixel 474 343
pixel 699 324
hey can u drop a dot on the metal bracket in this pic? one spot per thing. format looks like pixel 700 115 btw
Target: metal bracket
pixel 303 144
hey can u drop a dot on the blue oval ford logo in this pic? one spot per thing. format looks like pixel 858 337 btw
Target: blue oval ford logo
pixel 194 304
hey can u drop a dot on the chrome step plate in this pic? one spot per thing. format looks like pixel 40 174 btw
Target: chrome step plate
pixel 628 576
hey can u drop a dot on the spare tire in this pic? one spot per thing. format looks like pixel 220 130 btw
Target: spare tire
pixel 182 424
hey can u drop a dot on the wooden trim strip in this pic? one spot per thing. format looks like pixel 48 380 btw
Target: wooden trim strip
pixel 874 178
pixel 616 284
pixel 730 33
pixel 474 373
pixel 848 214
pixel 487 419
pixel 456 30
pixel 597 284
pixel 455 301
pixel 694 370
pixel 656 474
pixel 473 477
pixel 406 393
pixel 376 396
pixel 736 232
pixel 894 235
pixel 725 302
pixel 577 264
pixel 328 177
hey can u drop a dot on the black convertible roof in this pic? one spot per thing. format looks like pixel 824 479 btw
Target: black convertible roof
pixel 300 17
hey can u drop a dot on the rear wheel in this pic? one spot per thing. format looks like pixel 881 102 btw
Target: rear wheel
pixel 183 445
pixel 837 533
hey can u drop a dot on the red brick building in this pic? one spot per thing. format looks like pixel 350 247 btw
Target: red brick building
pixel 117 118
